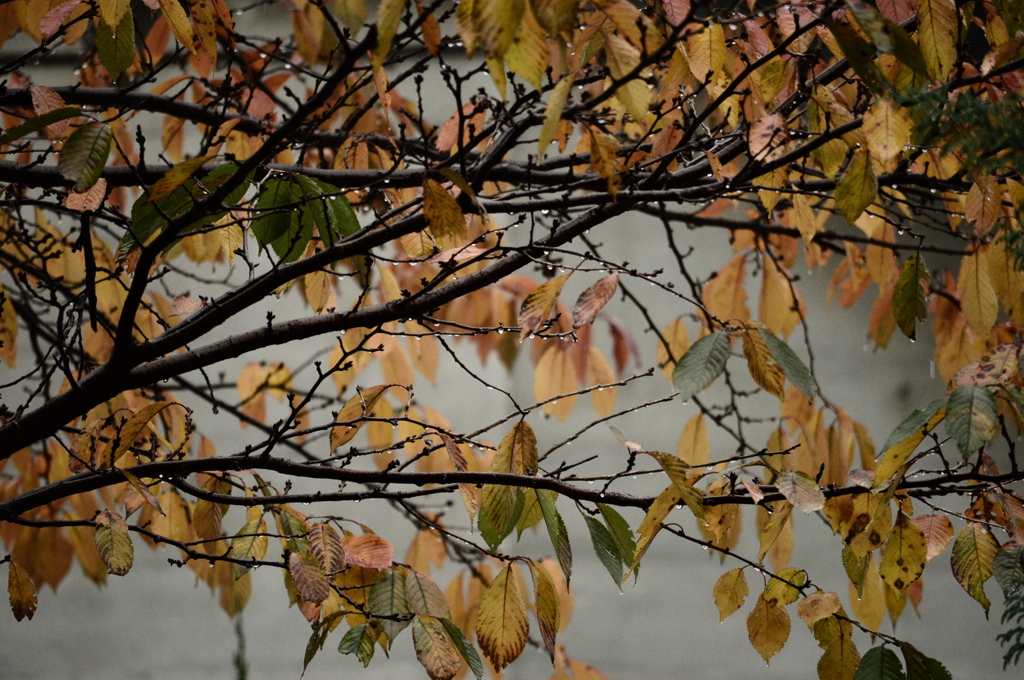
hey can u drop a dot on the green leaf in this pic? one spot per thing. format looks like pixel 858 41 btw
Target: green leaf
pixel 971 418
pixel 466 649
pixel 795 370
pixel 358 641
pixel 85 155
pixel 388 598
pixel 327 208
pixel 921 667
pixel 880 663
pixel 701 365
pixel 500 509
pixel 857 188
pixel 621 533
pixel 908 299
pixel 317 638
pixel 1008 568
pixel 860 54
pixel 556 530
pixel 38 123
pixel 606 549
pixel 424 596
pixel 277 224
pixel 117 48
pixel 856 567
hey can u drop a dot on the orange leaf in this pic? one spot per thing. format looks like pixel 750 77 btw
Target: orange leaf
pixel 593 299
pixel 325 544
pixel 368 550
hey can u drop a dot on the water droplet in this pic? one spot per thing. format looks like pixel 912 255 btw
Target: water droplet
pixel 601 495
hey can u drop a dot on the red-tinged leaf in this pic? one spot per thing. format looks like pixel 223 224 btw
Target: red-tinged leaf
pixel 310 580
pixel 538 305
pixel 38 123
pixel 90 201
pixel 624 345
pixel 45 100
pixel 114 543
pixel 435 648
pixel 973 553
pixel 767 628
pixel 55 18
pixel 84 155
pixel 546 597
pixel 368 550
pixel 501 626
pixel 817 606
pixel 325 545
pixel 593 299
pixel 21 591
pixel 730 591
pixel 801 490
pixel 470 492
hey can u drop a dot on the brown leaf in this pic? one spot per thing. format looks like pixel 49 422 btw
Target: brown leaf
pixel 767 628
pixel 21 591
pixel 368 550
pixel 309 577
pixel 114 543
pixel 938 533
pixel 325 544
pixel 593 299
pixel 817 606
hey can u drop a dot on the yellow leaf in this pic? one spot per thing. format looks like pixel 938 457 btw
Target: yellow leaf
pixel 978 301
pixel 905 554
pixel 502 627
pixel 175 177
pixel 553 112
pixel 870 606
pixel 604 157
pixel 389 16
pixel 497 22
pixel 114 543
pixel 887 129
pixel 840 660
pixel 553 379
pixel 725 295
pixel 694 446
pixel 773 529
pixel 442 211
pixel 546 597
pixel 128 432
pixel 599 372
pixel 705 51
pixel 111 11
pixel 936 35
pixel 896 455
pixel 767 628
pixel 765 371
pixel 781 307
pixel 730 591
pixel 8 329
pixel 651 524
pixel 470 492
pixel 206 26
pixel 538 305
pixel 368 550
pixel 623 58
pixel 678 340
pixel 309 577
pixel 351 416
pixel 817 606
pixel 973 554
pixel 676 471
pixel 528 54
pixel 858 187
pixel 784 587
pixel 21 592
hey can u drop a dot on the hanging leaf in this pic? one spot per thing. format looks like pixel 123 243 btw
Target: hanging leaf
pixel 905 554
pixel 352 414
pixel 593 299
pixel 1008 568
pixel 359 640
pixel 546 598
pixel 605 548
pixel 767 628
pixel 444 216
pixel 368 550
pixel 553 112
pixel 801 490
pixel 880 663
pixel 730 591
pixel 114 543
pixel 388 598
pixel 908 296
pixel 651 524
pixel 971 418
pixel 424 596
pixel 973 554
pixel 791 365
pixel 250 543
pixel 703 362
pixel 762 365
pixel 773 529
pixel 309 577
pixel 325 544
pixel 906 437
pixel 556 531
pixel 434 648
pixel 538 305
pixel 21 592
pixel 620 531
pixel 84 155
pixel 470 492
pixel 676 471
pixel 39 122
pixel 466 649
pixel 858 187
pixel 116 47
pixel 501 626
pixel 938 533
pixel 817 606
pixel 921 667
pixel 936 34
